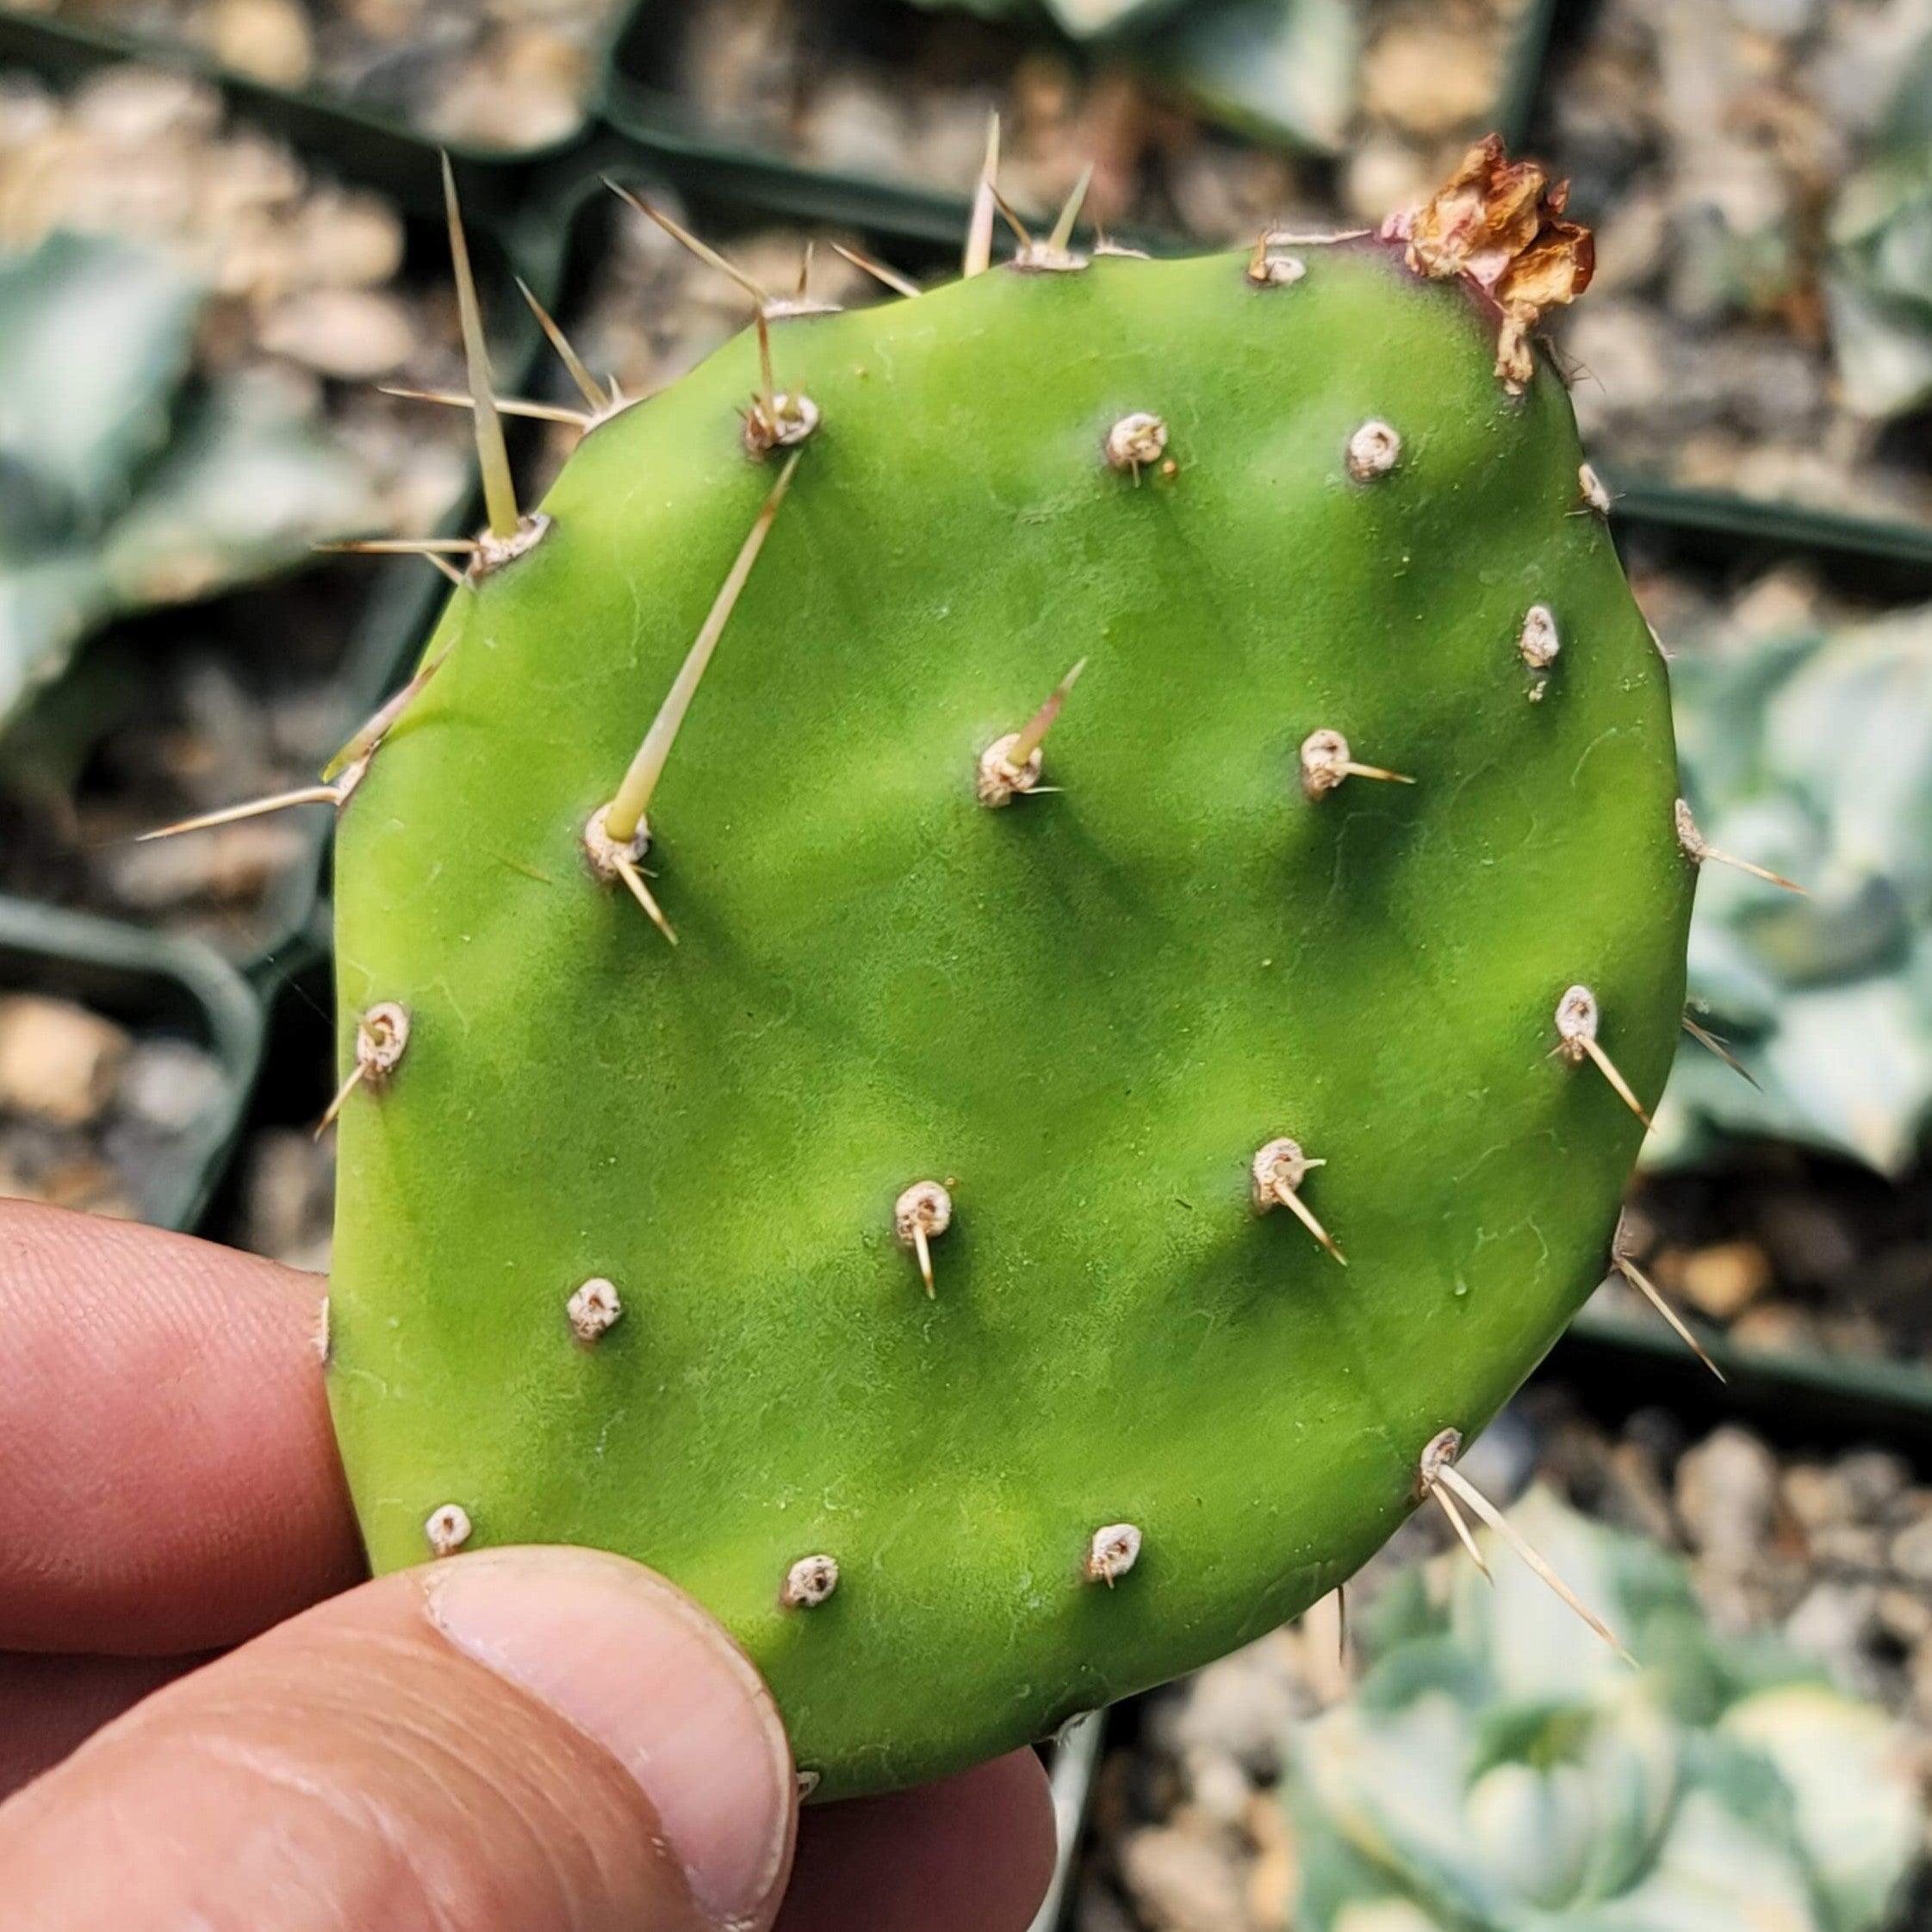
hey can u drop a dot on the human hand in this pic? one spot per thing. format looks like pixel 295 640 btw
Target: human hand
pixel 536 1740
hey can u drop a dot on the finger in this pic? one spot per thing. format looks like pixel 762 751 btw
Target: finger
pixel 969 1854
pixel 50 1705
pixel 520 1738
pixel 168 1478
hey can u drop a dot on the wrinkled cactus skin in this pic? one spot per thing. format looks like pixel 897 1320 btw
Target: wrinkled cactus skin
pixel 1083 1012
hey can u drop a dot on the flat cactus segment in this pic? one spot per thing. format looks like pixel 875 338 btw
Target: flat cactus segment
pixel 1080 1015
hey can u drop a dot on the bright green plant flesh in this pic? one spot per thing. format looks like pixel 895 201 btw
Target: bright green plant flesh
pixel 1083 1013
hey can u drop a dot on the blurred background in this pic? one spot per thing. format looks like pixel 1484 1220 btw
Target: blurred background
pixel 220 246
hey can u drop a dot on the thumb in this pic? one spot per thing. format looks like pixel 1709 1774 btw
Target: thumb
pixel 522 1737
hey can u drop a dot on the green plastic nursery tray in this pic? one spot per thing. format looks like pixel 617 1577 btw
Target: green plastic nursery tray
pixel 1812 1398
pixel 1789 525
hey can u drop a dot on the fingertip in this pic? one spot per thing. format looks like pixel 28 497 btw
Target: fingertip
pixel 520 1738
pixel 972 1853
pixel 50 1705
pixel 169 1479
pixel 637 1666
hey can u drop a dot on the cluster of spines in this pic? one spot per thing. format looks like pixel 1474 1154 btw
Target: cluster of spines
pixel 617 837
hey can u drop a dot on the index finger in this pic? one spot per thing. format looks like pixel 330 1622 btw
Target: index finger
pixel 168 1476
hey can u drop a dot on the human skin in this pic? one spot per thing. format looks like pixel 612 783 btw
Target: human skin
pixel 209 1718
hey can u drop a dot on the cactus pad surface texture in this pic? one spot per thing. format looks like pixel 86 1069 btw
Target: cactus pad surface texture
pixel 625 1251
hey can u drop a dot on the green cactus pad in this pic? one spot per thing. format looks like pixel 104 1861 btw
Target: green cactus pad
pixel 1083 1013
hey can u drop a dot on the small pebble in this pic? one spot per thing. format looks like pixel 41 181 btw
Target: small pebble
pixel 1837 1623
pixel 1726 1490
pixel 1239 1709
pixel 1179 1881
pixel 168 1085
pixel 1910 1551
pixel 58 1062
pixel 353 335
pixel 269 40
pixel 1725 1279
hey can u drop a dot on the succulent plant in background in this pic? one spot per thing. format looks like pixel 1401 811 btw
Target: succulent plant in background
pixel 1498 1771
pixel 125 482
pixel 1081 20
pixel 1284 71
pixel 1879 290
pixel 1086 19
pixel 1813 752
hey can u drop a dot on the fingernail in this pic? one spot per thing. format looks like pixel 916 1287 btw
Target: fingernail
pixel 635 1666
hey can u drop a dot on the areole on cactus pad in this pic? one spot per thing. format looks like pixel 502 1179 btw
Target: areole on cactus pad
pixel 934 1260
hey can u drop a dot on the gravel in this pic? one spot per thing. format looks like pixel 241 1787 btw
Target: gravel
pixel 93 1114
pixel 1707 140
pixel 505 74
pixel 903 97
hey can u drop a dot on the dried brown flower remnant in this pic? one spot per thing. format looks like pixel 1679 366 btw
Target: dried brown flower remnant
pixel 1479 220
pixel 1500 222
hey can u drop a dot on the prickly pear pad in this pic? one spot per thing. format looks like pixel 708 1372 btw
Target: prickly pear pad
pixel 1083 1012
